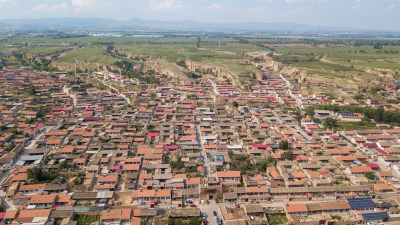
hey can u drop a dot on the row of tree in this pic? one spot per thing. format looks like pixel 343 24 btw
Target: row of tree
pixel 379 114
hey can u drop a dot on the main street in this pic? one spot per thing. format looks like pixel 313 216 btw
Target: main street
pixel 73 96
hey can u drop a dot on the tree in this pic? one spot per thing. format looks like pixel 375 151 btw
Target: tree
pixel 270 161
pixel 151 127
pixel 377 46
pixel 330 122
pixel 379 114
pixel 178 164
pixel 370 175
pixel 195 221
pixel 64 164
pixel 284 145
pixel 288 155
pixel 230 153
pixel 35 174
pixel 235 104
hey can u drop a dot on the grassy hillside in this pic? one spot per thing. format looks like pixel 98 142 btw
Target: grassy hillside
pixel 87 54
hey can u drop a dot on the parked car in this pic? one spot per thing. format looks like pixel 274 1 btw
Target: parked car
pixel 193 205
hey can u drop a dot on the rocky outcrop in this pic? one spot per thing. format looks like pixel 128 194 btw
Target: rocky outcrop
pixel 84 66
pixel 212 70
pixel 170 69
pixel 136 57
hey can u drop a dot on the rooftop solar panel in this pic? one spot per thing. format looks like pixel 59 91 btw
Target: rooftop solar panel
pixel 375 215
pixel 357 203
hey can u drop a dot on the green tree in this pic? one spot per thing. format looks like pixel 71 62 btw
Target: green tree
pixel 230 153
pixel 262 167
pixel 330 122
pixel 179 222
pixel 270 161
pixel 377 46
pixel 369 175
pixel 284 145
pixel 379 114
pixel 64 164
pixel 151 127
pixel 178 164
pixel 235 104
pixel 35 174
pixel 288 155
pixel 195 221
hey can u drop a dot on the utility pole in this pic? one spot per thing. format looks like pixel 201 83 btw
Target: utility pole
pixel 75 67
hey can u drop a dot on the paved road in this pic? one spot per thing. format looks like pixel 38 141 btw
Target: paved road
pixel 209 209
pixel 299 103
pixel 4 202
pixel 203 154
pixel 119 93
pixel 215 87
pixel 73 96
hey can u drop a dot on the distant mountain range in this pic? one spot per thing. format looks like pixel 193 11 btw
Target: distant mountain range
pixel 137 24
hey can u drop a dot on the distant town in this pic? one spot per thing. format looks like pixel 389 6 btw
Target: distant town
pixel 147 129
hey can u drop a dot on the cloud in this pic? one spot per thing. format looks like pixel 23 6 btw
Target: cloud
pixel 82 4
pixel 306 1
pixel 380 12
pixel 357 4
pixel 294 1
pixel 214 7
pixel 5 2
pixel 258 9
pixel 51 8
pixel 389 8
pixel 159 5
pixel 301 11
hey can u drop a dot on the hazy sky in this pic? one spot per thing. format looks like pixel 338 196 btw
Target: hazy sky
pixel 370 14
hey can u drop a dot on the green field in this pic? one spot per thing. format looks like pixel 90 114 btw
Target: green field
pixel 86 219
pixel 325 66
pixel 87 54
pixel 379 64
pixel 175 52
pixel 277 219
pixel 234 47
pixel 363 56
pixel 324 74
pixel 355 125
